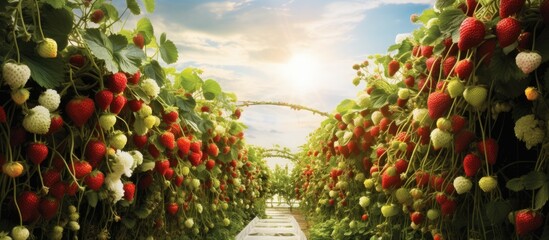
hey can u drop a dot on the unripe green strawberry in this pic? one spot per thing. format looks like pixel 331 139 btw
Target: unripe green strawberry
pixel 47 48
pixel 528 61
pixel 455 88
pixel 118 140
pixel 149 121
pixel 20 96
pixel 15 75
pixel 444 124
pixel 389 210
pixel 440 138
pixel 107 121
pixel 462 184
pixel 189 223
pixel 364 201
pixel 487 183
pixel 20 233
pixel 433 214
pixel 476 96
pixel 402 195
pixel 226 222
pixel 404 93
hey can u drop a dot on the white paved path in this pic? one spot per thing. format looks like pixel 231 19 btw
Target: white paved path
pixel 279 225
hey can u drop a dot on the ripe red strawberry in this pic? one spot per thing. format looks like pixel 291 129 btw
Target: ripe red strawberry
pixel 168 174
pixel 471 33
pixel 471 164
pixel 390 178
pixel 526 221
pixel 95 152
pixel 3 117
pixel 135 104
pixel 489 148
pixel 80 169
pixel 28 203
pixel 433 66
pixel 172 208
pixel 424 135
pixel 56 123
pixel 462 140
pixel 510 7
pixel 178 180
pixel 117 82
pixel 95 180
pixel 210 164
pixel 195 158
pixel 48 207
pixel 410 81
pixel 129 191
pixel 58 190
pixel 422 178
pixel 72 189
pixel 161 166
pixel 118 103
pixel 441 198
pixel 525 41
pixel 237 112
pixel 37 152
pixel 401 165
pixel 438 103
pixel 393 67
pixel 464 68
pixel 448 208
pixel 436 182
pixel 140 140
pixel 448 65
pixel 77 60
pixel 51 177
pixel 134 79
pixel 196 146
pixel 167 139
pixel 417 217
pixel 205 109
pixel 544 11
pixel 97 16
pixel 486 50
pixel 450 49
pixel 427 51
pixel 472 6
pixel 80 109
pixel 213 150
pixel 507 31
pixel 155 153
pixel 139 40
pixel 458 122
pixel 103 99
pixel 170 116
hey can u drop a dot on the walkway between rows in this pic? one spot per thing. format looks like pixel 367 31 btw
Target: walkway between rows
pixel 279 224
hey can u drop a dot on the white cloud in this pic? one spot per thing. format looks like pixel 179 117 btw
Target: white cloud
pixel 221 8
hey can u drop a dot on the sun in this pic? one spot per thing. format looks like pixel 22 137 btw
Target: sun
pixel 301 72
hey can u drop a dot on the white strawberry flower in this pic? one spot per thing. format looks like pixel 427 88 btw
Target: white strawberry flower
pixel 50 99
pixel 123 163
pixel 137 158
pixel 150 87
pixel 38 120
pixel 529 130
pixel 115 186
pixel 15 75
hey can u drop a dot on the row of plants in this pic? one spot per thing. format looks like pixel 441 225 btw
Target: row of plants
pixel 449 138
pixel 102 138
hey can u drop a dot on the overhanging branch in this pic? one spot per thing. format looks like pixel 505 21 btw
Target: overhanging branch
pixel 283 104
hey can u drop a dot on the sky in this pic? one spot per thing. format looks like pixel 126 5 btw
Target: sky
pixel 294 51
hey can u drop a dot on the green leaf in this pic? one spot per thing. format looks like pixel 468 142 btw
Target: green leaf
pixel 154 70
pixel 542 196
pixel 431 35
pixel 515 184
pixel 110 11
pixel 145 26
pixel 497 211
pixel 450 20
pixel 427 15
pixel 542 45
pixel 57 24
pixel 345 106
pixel 133 6
pixel 149 5
pixel 129 58
pixel 101 47
pixel 506 75
pixel 211 89
pixel 93 198
pixel 55 3
pixel 47 72
pixel 534 180
pixel 189 80
pixel 129 222
pixel 168 51
pixel 378 98
pixel 440 4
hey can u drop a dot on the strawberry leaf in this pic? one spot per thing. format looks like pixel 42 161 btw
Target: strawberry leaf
pixel 110 11
pixel 211 89
pixel 133 6
pixel 189 80
pixel 101 47
pixel 345 106
pixel 145 27
pixel 149 5
pixel 168 51
pixel 542 196
pixel 154 70
pixel 440 4
pixel 515 184
pixel 57 24
pixel 450 20
pixel 431 35
pixel 92 197
pixel 427 15
pixel 497 211
pixel 57 4
pixel 534 180
pixel 379 98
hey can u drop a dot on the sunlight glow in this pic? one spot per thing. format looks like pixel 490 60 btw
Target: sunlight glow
pixel 300 73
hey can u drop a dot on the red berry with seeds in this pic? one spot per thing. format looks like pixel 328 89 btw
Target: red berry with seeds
pixel 28 203
pixel 103 99
pixel 48 207
pixel 139 40
pixel 95 152
pixel 508 31
pixel 77 60
pixel 117 82
pixel 80 109
pixel 80 169
pixel 95 180
pixel 37 152
pixel 167 139
pixel 51 177
pixel 510 7
pixel 118 103
pixel 393 67
pixel 438 103
pixel 134 79
pixel 471 33
pixel 527 221
pixel 129 191
pixel 140 140
pixel 97 16
pixel 170 116
pixel 210 164
pixel 464 68
pixel 471 164
pixel 172 208
pixel 489 148
pixel 56 123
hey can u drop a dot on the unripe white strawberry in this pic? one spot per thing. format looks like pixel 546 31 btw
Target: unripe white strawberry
pixel 15 75
pixel 107 121
pixel 403 195
pixel 145 111
pixel 50 99
pixel 189 223
pixel 455 88
pixel 150 121
pixel 528 61
pixel 118 140
pixel 487 183
pixel 433 214
pixel 376 117
pixel 150 87
pixel 185 171
pixel 20 233
pixel 364 201
pixel 196 183
pixel 404 93
pixel 421 116
pixel 462 184
pixel 476 96
pixel 226 222
pixel 38 120
pixel 20 95
pixel 389 210
pixel 369 183
pixel 444 124
pixel 47 48
pixel 441 139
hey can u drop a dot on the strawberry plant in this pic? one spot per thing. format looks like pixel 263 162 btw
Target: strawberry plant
pixel 103 138
pixel 452 145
